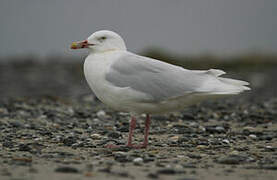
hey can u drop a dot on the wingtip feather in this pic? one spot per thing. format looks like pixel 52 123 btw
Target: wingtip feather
pixel 216 72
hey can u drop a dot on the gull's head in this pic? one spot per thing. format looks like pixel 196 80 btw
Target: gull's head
pixel 101 41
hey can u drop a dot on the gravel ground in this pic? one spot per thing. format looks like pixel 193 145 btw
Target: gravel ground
pixel 60 132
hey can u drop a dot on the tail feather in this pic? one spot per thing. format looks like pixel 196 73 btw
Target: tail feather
pixel 233 81
pixel 233 86
pixel 227 86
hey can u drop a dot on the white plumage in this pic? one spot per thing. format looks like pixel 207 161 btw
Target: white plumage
pixel 137 84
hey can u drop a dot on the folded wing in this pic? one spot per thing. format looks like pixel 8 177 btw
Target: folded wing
pixel 161 81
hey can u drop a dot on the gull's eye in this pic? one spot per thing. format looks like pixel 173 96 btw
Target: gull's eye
pixel 102 38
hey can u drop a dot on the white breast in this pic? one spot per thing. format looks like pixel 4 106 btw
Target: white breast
pixel 95 68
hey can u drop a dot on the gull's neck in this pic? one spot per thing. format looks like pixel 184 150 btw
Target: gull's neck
pixel 107 51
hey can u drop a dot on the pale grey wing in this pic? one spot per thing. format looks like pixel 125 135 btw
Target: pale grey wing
pixel 156 79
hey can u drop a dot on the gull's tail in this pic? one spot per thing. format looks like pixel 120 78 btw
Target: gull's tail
pixel 234 86
pixel 227 85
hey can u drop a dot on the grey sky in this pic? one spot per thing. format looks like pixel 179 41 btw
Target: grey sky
pixel 182 26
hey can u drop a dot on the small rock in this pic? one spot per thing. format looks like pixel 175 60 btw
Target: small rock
pixel 96 136
pixel 114 135
pixel 253 136
pixel 220 129
pixel 231 159
pixel 101 114
pixel 167 171
pixel 270 149
pixel 174 138
pixel 266 137
pixel 95 120
pixel 247 130
pixel 194 156
pixel 66 169
pixel 123 128
pixel 8 144
pixel 194 124
pixel 234 152
pixel 68 141
pixel 121 157
pixel 201 147
pixel 138 161
pixel 24 147
pixel 226 141
pixel 215 129
pixel 181 129
pixel 17 124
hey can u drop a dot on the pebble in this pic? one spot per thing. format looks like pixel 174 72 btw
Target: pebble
pixel 114 135
pixel 194 156
pixel 96 136
pixel 101 114
pixel 201 147
pixel 67 169
pixel 220 129
pixel 17 124
pixel 253 136
pixel 231 159
pixel 166 171
pixel 8 144
pixel 138 161
pixel 182 129
pixel 266 137
pixel 174 138
pixel 226 141
pixel 215 129
pixel 24 147
pixel 194 124
pixel 69 141
pixel 121 156
pixel 234 152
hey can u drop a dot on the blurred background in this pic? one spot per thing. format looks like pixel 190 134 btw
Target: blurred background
pixel 35 60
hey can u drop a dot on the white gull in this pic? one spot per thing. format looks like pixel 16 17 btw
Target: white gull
pixel 131 83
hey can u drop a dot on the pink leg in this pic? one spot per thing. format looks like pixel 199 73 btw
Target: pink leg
pixel 146 130
pixel 146 133
pixel 132 127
